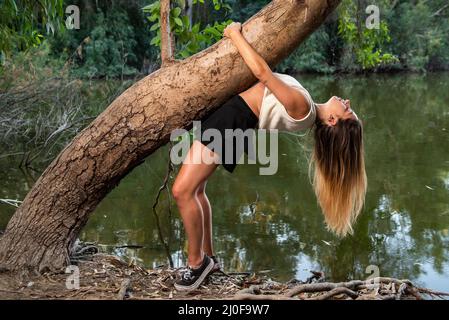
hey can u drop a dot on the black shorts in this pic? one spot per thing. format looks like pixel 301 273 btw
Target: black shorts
pixel 233 114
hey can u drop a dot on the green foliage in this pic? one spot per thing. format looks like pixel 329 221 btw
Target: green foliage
pixel 218 4
pixel 43 106
pixel 242 10
pixel 311 56
pixel 189 39
pixel 30 66
pixel 420 31
pixel 24 22
pixel 110 43
pixel 365 43
pixel 110 48
pixel 117 38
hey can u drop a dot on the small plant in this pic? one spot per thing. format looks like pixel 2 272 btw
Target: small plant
pixel 365 43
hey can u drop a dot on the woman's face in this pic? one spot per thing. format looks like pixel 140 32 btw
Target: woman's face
pixel 336 108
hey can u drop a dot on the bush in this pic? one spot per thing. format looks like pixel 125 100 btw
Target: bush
pixel 113 41
pixel 311 56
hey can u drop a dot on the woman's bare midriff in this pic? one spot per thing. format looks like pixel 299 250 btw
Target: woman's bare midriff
pixel 253 97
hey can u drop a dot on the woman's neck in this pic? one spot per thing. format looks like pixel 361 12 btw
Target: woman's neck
pixel 319 109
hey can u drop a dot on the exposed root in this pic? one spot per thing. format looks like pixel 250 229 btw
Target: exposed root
pixel 335 292
pixel 126 284
pixel 380 288
pixel 104 276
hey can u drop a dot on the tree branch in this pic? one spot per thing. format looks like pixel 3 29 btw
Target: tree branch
pixel 437 13
pixel 167 39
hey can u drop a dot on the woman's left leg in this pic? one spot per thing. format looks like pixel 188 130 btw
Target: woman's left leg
pixel 192 174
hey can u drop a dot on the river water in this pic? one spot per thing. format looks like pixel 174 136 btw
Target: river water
pixel 273 224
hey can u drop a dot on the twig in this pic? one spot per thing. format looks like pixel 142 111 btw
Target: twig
pixel 431 292
pixel 125 286
pixel 11 154
pixel 316 275
pixel 11 202
pixel 156 201
pixel 437 13
pixel 253 205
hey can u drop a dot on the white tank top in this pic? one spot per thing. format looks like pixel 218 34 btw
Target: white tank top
pixel 273 114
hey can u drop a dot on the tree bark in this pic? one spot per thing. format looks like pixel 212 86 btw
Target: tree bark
pixel 42 231
pixel 167 39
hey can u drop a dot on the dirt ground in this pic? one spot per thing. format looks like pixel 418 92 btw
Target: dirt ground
pixel 108 277
pixel 104 276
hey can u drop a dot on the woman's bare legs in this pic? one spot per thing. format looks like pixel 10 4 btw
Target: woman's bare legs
pixel 207 219
pixel 197 167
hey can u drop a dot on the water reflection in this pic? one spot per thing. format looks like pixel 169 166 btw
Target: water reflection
pixel 273 222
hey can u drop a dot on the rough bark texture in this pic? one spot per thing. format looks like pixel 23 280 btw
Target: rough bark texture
pixel 41 232
pixel 167 38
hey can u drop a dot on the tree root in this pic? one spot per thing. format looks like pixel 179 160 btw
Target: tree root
pixel 126 285
pixel 335 292
pixel 380 288
pixel 103 276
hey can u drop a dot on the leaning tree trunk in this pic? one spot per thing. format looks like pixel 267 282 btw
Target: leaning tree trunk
pixel 41 232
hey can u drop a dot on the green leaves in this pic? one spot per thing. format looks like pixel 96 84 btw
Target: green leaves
pixel 176 12
pixel 155 26
pixel 178 22
pixel 189 39
pixel 365 43
pixel 24 22
pixel 111 49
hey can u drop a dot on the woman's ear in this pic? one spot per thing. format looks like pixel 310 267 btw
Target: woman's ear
pixel 331 120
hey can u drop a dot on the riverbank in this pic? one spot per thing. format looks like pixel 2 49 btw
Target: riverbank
pixel 106 277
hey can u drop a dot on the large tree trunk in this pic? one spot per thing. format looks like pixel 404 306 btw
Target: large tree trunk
pixel 41 232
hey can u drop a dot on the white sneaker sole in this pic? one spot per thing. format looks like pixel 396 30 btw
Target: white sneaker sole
pixel 197 283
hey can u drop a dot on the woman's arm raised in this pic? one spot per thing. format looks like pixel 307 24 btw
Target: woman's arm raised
pixel 292 99
pixel 252 59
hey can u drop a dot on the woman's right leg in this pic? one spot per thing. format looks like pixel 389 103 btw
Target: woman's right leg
pixel 194 171
pixel 207 219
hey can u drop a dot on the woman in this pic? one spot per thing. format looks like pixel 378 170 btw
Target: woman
pixel 277 101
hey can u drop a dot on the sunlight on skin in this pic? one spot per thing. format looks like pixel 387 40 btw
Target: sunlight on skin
pixel 335 108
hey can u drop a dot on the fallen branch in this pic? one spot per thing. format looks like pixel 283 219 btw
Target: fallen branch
pixel 11 202
pixel 325 286
pixel 335 292
pixel 249 296
pixel 126 285
pixel 433 293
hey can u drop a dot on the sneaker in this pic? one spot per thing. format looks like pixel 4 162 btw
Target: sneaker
pixel 192 278
pixel 217 266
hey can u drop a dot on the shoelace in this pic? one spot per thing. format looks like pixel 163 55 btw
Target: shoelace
pixel 187 275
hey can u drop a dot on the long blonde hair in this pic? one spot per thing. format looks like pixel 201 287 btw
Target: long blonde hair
pixel 339 177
